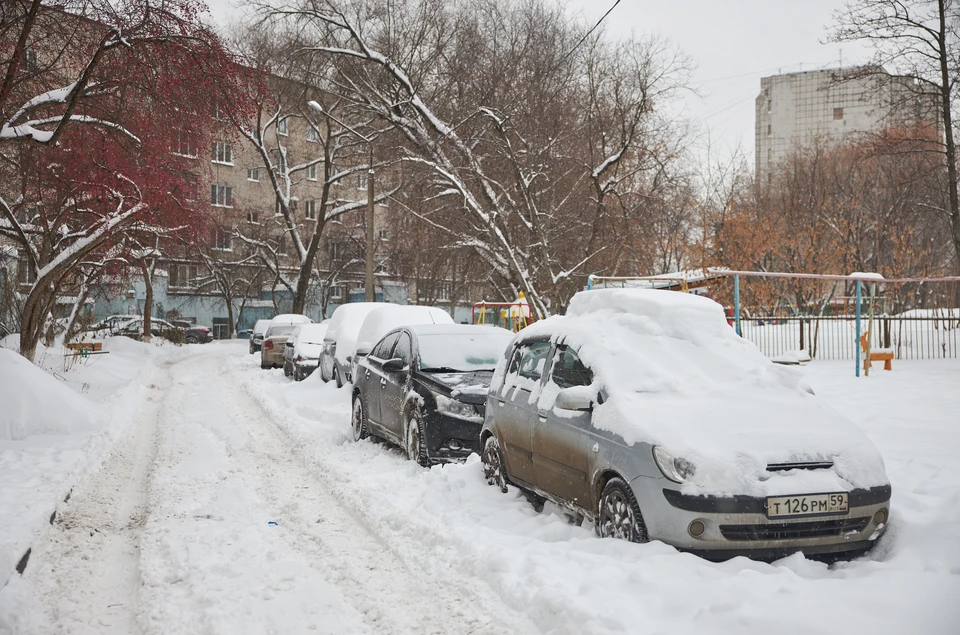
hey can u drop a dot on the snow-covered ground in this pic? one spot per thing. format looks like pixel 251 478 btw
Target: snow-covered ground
pixel 233 502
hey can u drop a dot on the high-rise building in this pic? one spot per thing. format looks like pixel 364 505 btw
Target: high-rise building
pixel 794 109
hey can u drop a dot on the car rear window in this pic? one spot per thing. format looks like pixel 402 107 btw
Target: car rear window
pixel 286 329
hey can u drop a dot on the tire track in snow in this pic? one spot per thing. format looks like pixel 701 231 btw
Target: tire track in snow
pixel 86 568
pixel 375 577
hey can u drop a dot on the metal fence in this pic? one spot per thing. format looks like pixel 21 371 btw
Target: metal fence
pixel 834 337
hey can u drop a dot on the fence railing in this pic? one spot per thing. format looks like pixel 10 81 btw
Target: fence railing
pixel 834 337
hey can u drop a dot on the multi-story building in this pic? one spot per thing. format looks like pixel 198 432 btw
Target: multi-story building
pixel 794 109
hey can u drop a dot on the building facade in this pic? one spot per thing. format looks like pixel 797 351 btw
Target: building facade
pixel 794 109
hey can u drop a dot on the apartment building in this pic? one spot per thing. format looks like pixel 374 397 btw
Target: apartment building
pixel 794 109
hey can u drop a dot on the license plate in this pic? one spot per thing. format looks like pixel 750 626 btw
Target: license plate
pixel 807 505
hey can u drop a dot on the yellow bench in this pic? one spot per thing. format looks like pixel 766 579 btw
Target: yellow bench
pixel 89 347
pixel 884 355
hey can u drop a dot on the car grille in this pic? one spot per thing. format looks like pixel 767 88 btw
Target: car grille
pixel 799 465
pixel 792 531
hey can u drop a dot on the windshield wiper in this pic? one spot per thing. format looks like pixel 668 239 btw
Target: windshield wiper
pixel 441 369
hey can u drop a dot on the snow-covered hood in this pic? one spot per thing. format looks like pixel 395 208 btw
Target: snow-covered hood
pixel 469 387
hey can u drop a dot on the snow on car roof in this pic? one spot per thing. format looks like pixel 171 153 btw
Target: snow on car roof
pixel 345 324
pixel 290 318
pixel 385 318
pixel 311 332
pixel 443 329
pixel 676 374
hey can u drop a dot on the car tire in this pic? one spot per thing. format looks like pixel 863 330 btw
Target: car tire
pixel 336 375
pixel 618 515
pixel 191 340
pixel 358 419
pixel 494 469
pixel 297 375
pixel 286 369
pixel 415 445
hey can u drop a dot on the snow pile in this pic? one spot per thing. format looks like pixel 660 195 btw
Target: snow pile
pixel 384 319
pixel 675 374
pixel 35 402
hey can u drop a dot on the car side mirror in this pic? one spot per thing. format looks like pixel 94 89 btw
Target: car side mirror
pixel 363 349
pixel 395 365
pixel 576 398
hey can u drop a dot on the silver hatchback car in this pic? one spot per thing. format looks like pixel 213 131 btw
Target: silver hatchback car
pixel 643 411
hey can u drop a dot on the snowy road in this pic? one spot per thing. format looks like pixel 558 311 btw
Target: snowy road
pixel 234 502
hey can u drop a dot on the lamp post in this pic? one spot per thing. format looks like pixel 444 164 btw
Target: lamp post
pixel 369 289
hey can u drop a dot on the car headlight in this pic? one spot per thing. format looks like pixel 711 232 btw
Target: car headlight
pixel 676 470
pixel 448 406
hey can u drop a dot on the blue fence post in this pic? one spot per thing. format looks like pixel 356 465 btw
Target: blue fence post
pixel 856 344
pixel 589 282
pixel 736 303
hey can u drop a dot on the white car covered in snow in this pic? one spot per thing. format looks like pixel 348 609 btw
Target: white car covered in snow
pixel 645 412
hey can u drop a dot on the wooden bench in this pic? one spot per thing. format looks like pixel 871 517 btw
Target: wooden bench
pixel 89 347
pixel 884 355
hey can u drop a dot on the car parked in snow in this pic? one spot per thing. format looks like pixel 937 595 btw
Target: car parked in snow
pixel 340 342
pixel 134 328
pixel 423 387
pixel 644 411
pixel 387 317
pixel 111 324
pixel 280 329
pixel 194 333
pixel 301 353
pixel 256 335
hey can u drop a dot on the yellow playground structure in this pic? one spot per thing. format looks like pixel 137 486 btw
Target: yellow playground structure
pixel 509 315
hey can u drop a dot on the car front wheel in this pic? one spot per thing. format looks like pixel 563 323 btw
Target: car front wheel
pixel 618 515
pixel 416 445
pixel 192 340
pixel 358 419
pixel 492 459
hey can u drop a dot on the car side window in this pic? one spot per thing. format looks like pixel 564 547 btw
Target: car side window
pixel 568 370
pixel 404 349
pixel 385 347
pixel 532 360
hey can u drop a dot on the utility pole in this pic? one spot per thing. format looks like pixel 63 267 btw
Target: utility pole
pixel 369 291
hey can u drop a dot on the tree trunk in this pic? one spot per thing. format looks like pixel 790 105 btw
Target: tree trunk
pixel 34 315
pixel 148 302
pixel 69 333
pixel 946 82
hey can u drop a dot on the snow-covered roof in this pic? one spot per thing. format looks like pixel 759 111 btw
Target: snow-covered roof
pixel 387 317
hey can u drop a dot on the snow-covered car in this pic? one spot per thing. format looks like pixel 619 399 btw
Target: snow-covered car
pixel 387 317
pixel 301 353
pixel 423 387
pixel 340 341
pixel 256 335
pixel 645 412
pixel 194 333
pixel 280 329
pixel 111 323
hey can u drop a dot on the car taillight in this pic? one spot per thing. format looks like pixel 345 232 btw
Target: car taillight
pixel 268 345
pixel 204 330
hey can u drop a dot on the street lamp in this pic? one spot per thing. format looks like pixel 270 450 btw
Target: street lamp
pixel 369 290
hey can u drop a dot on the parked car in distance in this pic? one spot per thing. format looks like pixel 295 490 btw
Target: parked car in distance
pixel 423 387
pixel 645 412
pixel 194 333
pixel 111 324
pixel 134 328
pixel 301 353
pixel 256 335
pixel 280 329
pixel 387 317
pixel 341 340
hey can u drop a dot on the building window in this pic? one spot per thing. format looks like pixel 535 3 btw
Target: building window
pixel 25 273
pixel 282 128
pixel 218 113
pixel 837 114
pixel 223 239
pixel 253 174
pixel 311 133
pixel 362 180
pixel 310 209
pixel 336 250
pixel 383 234
pixel 443 291
pixel 30 64
pixel 336 292
pixel 223 153
pixel 253 218
pixel 184 275
pixel 769 155
pixel 312 172
pixel 769 129
pixel 185 144
pixel 221 195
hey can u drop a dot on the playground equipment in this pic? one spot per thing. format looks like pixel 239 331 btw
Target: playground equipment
pixel 509 315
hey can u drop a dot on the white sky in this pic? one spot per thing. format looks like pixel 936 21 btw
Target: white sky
pixel 731 43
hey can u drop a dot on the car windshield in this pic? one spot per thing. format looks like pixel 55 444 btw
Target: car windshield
pixel 460 352
pixel 281 330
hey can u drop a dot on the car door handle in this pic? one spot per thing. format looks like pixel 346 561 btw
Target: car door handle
pixel 542 417
pixel 383 382
pixel 367 374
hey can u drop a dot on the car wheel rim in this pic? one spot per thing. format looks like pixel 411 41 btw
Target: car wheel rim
pixel 413 439
pixel 617 519
pixel 357 419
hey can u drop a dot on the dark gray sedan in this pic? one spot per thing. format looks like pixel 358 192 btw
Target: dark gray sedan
pixel 424 388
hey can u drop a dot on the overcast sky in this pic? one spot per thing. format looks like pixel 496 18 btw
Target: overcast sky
pixel 732 44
